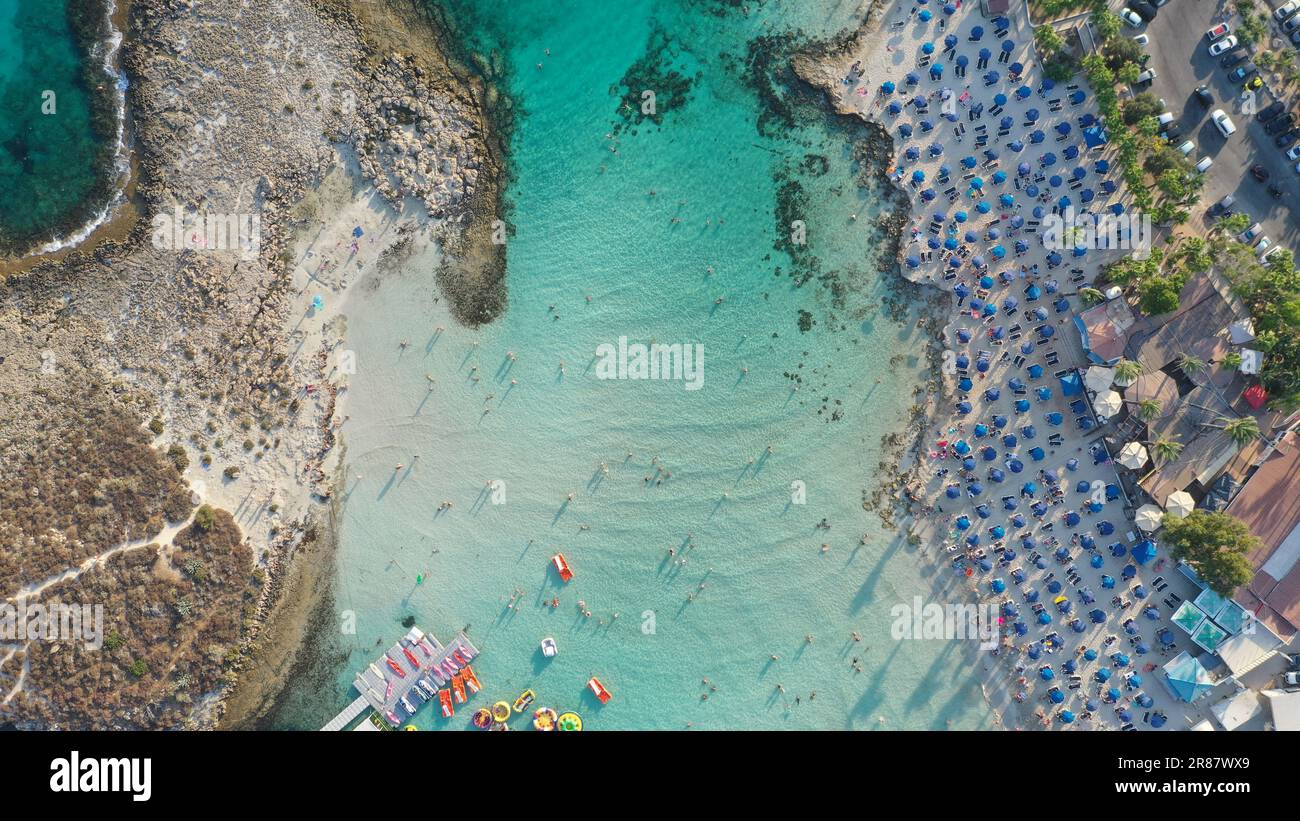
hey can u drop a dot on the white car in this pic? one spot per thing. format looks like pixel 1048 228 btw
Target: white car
pixel 1223 122
pixel 1145 77
pixel 1204 164
pixel 1186 148
pixel 1142 39
pixel 1249 235
pixel 1286 10
pixel 1263 246
pixel 1131 17
pixel 1294 153
pixel 1165 119
pixel 1220 46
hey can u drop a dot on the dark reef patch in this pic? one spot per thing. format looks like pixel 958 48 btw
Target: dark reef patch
pixel 662 72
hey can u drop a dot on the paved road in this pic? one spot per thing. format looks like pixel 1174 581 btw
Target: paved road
pixel 1181 62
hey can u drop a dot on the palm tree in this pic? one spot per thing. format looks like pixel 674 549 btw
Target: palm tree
pixel 1148 409
pixel 1242 431
pixel 1166 448
pixel 1191 365
pixel 1091 296
pixel 1127 370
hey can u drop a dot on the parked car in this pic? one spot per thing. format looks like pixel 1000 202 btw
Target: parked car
pixel 1272 110
pixel 1142 39
pixel 1248 236
pixel 1293 153
pixel 1145 78
pixel 1291 678
pixel 1144 9
pixel 1221 30
pixel 1295 33
pixel 1223 122
pixel 1223 206
pixel 1172 133
pixel 1226 44
pixel 1280 124
pixel 1291 24
pixel 1203 95
pixel 1253 83
pixel 1232 58
pixel 1242 72
pixel 1286 138
pixel 1165 119
pixel 1129 16
pixel 1286 10
pixel 1186 148
pixel 1259 172
pixel 1204 165
pixel 1263 247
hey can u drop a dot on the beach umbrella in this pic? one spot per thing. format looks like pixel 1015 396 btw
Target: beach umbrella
pixel 888 87
pixel 1055 181
pixel 981 430
pixel 998 586
pixel 1035 371
pixel 999 177
pixel 927 48
pixel 963 334
pixel 905 130
pixel 988 453
pixel 978 262
pixel 975 489
pixel 999 252
pixel 1096 561
pixel 1148 517
pixel 1008 45
pixel 1087 542
pixel 918 176
pixel 1071 518
pixel 1105 528
pixel 1120 659
pixel 1087 195
pixel 1070 152
pixel 1079 172
pixel 920 102
pixel 1010 503
pixel 1144 551
pixel 1107 403
pixel 962 523
pixel 1108 581
pixel 949 8
pixel 895 108
pixel 912 153
pixel 928 194
pixel 913 261
pixel 1007 200
pixel 1054 418
pixel 1037 136
pixel 952 492
pixel 1023 91
pixel 1140 592
pixel 1077 97
pixel 973 539
pixel 965 384
pixel 1016 68
pixel 1032 115
pixel 1158 720
pixel 1133 455
pixel 1048 159
pixel 912 79
pixel 971 236
pixel 1006 122
pixel 991 77
pixel 1067 717
pixel 969 162
pixel 961 447
pixel 983 511
pixel 961 216
pixel 950 243
pixel 1044 393
pixel 964 407
pixel 993 233
pixel 925 16
pixel 1029 431
pixel 1135 679
pixel 1083 486
pixel 936 71
pixel 1015 465
pixel 998 531
pixel 1179 504
pixel 1010 303
pixel 1118 549
pixel 983 206
pixel 1037 454
pixel 950 42
pixel 963 60
pixel 1056 696
pixel 935 149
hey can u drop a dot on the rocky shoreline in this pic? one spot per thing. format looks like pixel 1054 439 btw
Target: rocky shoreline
pixel 200 343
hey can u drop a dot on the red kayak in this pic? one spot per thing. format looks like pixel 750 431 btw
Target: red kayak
pixel 562 565
pixel 397 668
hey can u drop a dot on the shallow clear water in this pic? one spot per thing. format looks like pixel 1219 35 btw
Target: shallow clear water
pixel 47 160
pixel 756 581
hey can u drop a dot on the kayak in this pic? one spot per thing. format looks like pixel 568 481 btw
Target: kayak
pixel 458 685
pixel 444 698
pixel 562 565
pixel 471 680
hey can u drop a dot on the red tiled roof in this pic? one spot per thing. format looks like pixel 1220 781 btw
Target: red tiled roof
pixel 1270 505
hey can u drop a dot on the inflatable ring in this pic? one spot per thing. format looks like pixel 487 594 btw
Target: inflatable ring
pixel 501 712
pixel 569 722
pixel 482 718
pixel 544 719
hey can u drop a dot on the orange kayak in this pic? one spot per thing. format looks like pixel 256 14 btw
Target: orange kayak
pixel 471 680
pixel 444 698
pixel 458 685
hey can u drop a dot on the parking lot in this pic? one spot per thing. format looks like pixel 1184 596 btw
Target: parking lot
pixel 1181 62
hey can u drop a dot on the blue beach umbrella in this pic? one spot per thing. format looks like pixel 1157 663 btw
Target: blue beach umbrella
pixel 1032 115
pixel 888 87
pixel 918 176
pixel 1037 136
pixel 1008 46
pixel 962 523
pixel 925 16
pixel 983 206
pixel 927 48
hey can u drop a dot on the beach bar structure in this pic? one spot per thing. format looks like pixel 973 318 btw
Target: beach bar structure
pixel 383 693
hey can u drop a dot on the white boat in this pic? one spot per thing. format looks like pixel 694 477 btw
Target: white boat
pixel 548 647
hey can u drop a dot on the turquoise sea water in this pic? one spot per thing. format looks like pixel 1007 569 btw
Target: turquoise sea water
pixel 756 581
pixel 47 160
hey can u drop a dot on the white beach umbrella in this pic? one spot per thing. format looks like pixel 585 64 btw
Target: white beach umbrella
pixel 1179 504
pixel 1148 517
pixel 1098 378
pixel 1107 403
pixel 1133 455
